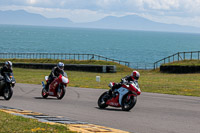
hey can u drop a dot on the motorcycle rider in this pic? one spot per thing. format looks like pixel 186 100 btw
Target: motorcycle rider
pixel 56 71
pixel 6 68
pixel 134 77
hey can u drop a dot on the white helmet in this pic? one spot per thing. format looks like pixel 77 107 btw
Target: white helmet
pixel 60 66
pixel 135 75
pixel 8 64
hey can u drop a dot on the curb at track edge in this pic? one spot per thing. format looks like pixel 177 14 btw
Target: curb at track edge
pixel 72 125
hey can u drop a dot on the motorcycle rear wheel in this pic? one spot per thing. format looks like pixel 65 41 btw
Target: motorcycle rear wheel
pixel 61 94
pixel 44 93
pixel 128 104
pixel 8 92
pixel 102 100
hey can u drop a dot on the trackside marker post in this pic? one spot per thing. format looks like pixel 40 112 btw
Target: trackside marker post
pixel 98 78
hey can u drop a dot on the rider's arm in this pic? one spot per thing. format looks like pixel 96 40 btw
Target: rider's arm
pixel 57 72
pixel 136 84
pixel 3 70
pixel 53 72
pixel 129 78
pixel 63 73
pixel 126 79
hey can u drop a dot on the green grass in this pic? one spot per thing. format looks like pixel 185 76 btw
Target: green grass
pixel 176 84
pixel 184 63
pixel 17 124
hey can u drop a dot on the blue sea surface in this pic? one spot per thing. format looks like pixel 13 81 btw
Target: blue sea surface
pixel 132 46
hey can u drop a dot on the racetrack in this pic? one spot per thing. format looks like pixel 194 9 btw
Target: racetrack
pixel 153 113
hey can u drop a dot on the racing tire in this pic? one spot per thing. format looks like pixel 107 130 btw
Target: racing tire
pixel 128 104
pixel 8 92
pixel 44 93
pixel 102 100
pixel 61 94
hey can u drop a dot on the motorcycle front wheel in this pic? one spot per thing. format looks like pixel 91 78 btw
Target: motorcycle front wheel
pixel 128 104
pixel 8 92
pixel 102 100
pixel 61 93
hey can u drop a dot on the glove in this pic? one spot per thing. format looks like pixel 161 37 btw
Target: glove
pixel 123 81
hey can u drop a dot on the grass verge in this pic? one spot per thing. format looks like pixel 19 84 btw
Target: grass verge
pixel 18 124
pixel 184 63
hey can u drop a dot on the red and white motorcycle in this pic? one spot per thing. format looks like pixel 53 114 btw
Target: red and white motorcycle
pixel 56 88
pixel 124 97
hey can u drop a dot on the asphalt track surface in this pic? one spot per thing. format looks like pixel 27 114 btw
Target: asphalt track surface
pixel 153 113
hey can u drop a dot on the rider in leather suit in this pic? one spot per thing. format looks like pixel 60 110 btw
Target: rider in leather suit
pixel 6 68
pixel 134 77
pixel 56 71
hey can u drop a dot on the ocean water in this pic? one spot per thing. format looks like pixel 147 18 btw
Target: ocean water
pixel 134 46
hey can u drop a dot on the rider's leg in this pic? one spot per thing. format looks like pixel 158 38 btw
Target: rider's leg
pixel 47 86
pixel 115 86
pixel 111 91
pixel 48 83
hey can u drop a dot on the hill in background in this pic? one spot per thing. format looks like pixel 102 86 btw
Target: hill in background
pixel 21 17
pixel 130 22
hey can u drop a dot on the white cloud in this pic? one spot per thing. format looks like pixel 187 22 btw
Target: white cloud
pixel 161 4
pixel 31 1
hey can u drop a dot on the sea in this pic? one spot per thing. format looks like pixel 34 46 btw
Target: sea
pixel 138 47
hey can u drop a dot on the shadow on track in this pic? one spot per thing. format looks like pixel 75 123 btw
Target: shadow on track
pixel 46 98
pixel 111 109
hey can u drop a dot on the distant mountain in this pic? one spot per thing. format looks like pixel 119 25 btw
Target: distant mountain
pixel 130 22
pixel 134 22
pixel 21 17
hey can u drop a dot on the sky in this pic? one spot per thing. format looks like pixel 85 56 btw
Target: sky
pixel 182 12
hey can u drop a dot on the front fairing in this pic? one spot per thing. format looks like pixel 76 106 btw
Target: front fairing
pixel 63 79
pixel 133 86
pixel 122 91
pixel 9 78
